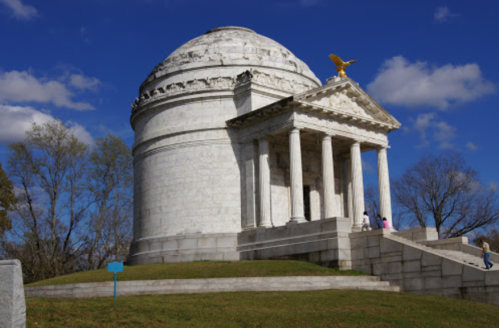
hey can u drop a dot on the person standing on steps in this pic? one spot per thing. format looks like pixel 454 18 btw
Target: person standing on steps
pixel 379 222
pixel 486 255
pixel 365 222
pixel 386 225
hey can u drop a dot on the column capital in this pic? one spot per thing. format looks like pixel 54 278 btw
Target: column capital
pixel 295 129
pixel 356 143
pixel 327 135
pixel 382 147
pixel 357 140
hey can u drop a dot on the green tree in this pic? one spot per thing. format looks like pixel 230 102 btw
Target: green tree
pixel 7 201
pixel 445 192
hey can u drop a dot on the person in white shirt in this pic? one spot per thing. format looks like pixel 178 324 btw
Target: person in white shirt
pixel 365 222
pixel 486 254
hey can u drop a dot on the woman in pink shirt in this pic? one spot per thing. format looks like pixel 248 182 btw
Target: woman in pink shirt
pixel 385 224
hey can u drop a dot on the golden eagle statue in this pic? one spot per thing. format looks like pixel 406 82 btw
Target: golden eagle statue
pixel 341 65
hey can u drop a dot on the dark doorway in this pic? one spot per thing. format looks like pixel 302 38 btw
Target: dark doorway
pixel 306 202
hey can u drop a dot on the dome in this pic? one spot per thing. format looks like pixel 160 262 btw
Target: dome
pixel 230 47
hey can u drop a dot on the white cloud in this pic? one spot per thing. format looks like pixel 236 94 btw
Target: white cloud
pixel 443 14
pixel 16 120
pixel 471 146
pixel 80 133
pixel 444 134
pixel 493 186
pixel 82 82
pixel 400 82
pixel 439 131
pixel 22 86
pixel 20 10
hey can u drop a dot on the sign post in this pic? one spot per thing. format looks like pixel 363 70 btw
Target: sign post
pixel 115 267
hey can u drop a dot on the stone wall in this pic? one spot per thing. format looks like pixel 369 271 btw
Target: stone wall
pixel 184 248
pixel 420 269
pixel 324 242
pixel 12 304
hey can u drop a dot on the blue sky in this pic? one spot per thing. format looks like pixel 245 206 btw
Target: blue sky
pixel 432 64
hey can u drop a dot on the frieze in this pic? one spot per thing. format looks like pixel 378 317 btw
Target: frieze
pixel 221 83
pixel 218 83
pixel 271 80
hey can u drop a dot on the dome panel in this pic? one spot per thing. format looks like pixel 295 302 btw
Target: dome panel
pixel 231 46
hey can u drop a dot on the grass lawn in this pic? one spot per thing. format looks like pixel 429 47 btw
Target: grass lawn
pixel 329 308
pixel 202 269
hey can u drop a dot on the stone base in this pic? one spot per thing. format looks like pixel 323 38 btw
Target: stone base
pixel 184 248
pixel 12 303
pixel 324 242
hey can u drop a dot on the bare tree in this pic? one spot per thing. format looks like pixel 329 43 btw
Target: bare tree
pixel 74 205
pixel 491 237
pixel 108 234
pixel 48 169
pixel 445 192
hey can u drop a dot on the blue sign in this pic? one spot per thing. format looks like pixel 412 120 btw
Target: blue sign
pixel 115 267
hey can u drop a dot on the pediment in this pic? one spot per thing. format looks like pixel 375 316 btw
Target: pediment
pixel 346 97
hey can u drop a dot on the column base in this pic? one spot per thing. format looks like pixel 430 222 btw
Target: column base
pixel 265 225
pixel 297 219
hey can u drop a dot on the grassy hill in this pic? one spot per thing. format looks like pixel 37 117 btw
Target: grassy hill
pixel 201 269
pixel 327 308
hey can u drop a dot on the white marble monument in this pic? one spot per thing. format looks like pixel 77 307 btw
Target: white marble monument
pixel 234 135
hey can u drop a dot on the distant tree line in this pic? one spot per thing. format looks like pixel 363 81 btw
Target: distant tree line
pixel 444 192
pixel 69 204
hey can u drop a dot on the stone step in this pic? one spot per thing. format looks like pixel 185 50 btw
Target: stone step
pixel 465 257
pixel 181 286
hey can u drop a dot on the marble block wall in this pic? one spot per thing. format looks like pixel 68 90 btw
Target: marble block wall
pixel 324 242
pixel 419 269
pixel 12 303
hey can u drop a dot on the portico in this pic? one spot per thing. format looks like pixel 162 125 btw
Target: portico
pixel 307 157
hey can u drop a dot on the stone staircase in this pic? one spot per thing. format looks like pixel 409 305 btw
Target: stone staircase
pixel 465 258
pixel 215 285
pixel 459 256
pixel 420 263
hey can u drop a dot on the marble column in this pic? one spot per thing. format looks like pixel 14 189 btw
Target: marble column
pixel 348 190
pixel 250 161
pixel 264 182
pixel 385 203
pixel 297 211
pixel 357 185
pixel 328 177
